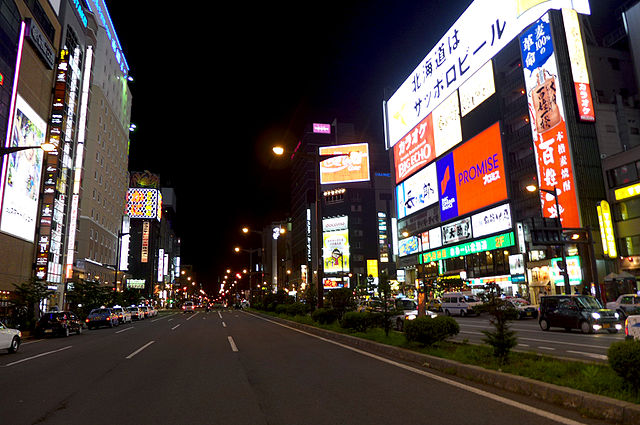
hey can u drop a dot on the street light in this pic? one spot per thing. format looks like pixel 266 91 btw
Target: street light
pixel 316 158
pixel 47 147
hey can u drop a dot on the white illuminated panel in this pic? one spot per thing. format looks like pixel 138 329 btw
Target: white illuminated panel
pixel 447 130
pixel 477 89
pixel 484 29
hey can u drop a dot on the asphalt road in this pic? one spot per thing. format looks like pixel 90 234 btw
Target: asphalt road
pixel 554 342
pixel 236 368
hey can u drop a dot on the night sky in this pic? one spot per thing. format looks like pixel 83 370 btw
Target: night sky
pixel 216 87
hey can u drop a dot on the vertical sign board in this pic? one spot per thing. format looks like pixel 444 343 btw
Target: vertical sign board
pixel 146 229
pixel 578 65
pixel 415 150
pixel 546 109
pixel 607 225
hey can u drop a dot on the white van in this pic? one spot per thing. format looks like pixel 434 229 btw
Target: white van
pixel 632 327
pixel 461 303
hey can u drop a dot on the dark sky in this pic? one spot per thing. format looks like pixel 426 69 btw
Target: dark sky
pixel 215 87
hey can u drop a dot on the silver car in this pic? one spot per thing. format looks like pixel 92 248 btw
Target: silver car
pixel 9 338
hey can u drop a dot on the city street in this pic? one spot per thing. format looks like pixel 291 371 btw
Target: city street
pixel 555 342
pixel 232 367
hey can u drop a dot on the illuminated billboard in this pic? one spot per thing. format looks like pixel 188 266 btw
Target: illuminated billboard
pixel 447 129
pixel 335 251
pixel 144 203
pixel 484 29
pixel 578 65
pixel 21 185
pixel 415 150
pixel 352 166
pixel 472 176
pixel 546 110
pixel 417 192
pixel 477 89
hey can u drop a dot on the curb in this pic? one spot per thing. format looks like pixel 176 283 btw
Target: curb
pixel 592 405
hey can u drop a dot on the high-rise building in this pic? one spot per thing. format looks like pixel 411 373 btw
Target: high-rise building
pixel 501 105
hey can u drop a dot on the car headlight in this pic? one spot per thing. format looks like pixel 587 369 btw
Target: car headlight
pixel 616 315
pixel 595 315
pixel 410 316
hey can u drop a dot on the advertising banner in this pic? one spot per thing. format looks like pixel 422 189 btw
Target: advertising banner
pixel 494 242
pixel 23 174
pixel 477 89
pixel 144 203
pixel 417 192
pixel 415 150
pixel 408 246
pixel 484 29
pixel 494 220
pixel 578 65
pixel 335 249
pixel 353 166
pixel 546 110
pixel 447 129
pixel 457 231
pixel 474 168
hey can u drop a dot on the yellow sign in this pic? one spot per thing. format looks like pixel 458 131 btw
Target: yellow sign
pixel 603 235
pixel 524 5
pixel 372 268
pixel 627 192
pixel 607 224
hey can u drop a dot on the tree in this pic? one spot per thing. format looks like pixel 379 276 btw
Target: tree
pixel 341 300
pixel 87 295
pixel 502 338
pixel 29 295
pixel 388 308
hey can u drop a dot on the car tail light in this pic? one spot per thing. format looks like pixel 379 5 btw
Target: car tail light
pixel 626 327
pixel 87 320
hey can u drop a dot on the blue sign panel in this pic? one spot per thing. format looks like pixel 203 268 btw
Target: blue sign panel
pixel 447 187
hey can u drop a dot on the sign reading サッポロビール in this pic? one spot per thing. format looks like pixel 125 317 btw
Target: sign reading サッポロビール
pixel 484 29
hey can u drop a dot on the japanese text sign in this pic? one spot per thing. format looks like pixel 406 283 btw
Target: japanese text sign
pixel 548 126
pixel 478 35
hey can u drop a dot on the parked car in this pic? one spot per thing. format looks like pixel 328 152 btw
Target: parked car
pixel 582 312
pixel 135 312
pixel 626 305
pixel 124 316
pixel 102 317
pixel 434 304
pixel 145 310
pixel 188 307
pixel 409 310
pixel 9 338
pixel 632 326
pixel 523 308
pixel 461 303
pixel 152 311
pixel 58 323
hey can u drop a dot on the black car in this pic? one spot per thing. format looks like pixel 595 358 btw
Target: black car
pixel 582 312
pixel 102 317
pixel 58 323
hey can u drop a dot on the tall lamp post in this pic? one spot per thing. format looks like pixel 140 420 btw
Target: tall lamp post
pixel 316 158
pixel 250 251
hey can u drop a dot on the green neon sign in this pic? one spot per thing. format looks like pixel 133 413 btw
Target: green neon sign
pixel 487 244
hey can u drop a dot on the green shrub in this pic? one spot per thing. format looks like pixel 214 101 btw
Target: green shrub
pixel 624 358
pixel 427 330
pixel 325 316
pixel 281 309
pixel 360 321
pixel 297 309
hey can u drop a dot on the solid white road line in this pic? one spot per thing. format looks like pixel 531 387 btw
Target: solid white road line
pixel 593 355
pixel 232 343
pixel 546 348
pixel 547 341
pixel 38 355
pixel 124 330
pixel 459 385
pixel 173 328
pixel 140 349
